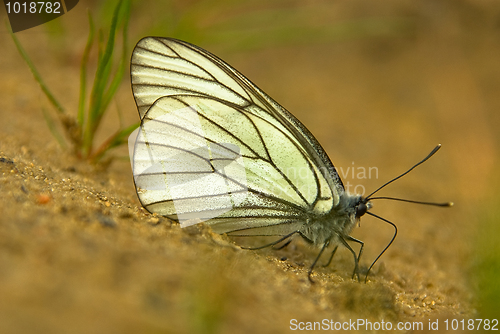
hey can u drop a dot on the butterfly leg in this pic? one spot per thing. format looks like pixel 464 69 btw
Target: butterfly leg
pixel 356 258
pixel 360 251
pixel 274 242
pixel 359 242
pixel 316 260
pixel 284 245
pixel 331 257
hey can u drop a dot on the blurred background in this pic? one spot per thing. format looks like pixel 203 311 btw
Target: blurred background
pixel 378 83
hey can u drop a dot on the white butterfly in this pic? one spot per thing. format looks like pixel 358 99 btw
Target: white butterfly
pixel 213 147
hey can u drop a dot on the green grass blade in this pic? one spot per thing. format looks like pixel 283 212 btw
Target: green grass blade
pixel 115 83
pixel 100 80
pixel 83 72
pixel 103 67
pixel 53 128
pixel 35 73
pixel 122 19
pixel 119 138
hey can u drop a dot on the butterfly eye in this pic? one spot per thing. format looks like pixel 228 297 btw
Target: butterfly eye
pixel 361 209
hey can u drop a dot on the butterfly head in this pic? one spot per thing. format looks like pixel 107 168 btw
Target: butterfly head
pixel 362 207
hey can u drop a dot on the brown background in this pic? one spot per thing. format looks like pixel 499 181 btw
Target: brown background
pixel 424 72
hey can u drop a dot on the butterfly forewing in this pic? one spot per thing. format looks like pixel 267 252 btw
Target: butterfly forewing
pixel 161 67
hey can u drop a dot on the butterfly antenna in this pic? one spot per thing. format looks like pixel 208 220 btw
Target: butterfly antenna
pixel 412 201
pixel 388 245
pixel 409 170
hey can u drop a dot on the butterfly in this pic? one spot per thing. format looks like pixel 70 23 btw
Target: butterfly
pixel 214 148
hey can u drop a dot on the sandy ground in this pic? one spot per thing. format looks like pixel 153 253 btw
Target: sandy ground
pixel 78 254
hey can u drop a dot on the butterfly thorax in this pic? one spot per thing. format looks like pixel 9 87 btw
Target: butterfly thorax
pixel 338 222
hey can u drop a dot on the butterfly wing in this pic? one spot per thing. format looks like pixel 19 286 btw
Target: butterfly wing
pixel 213 146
